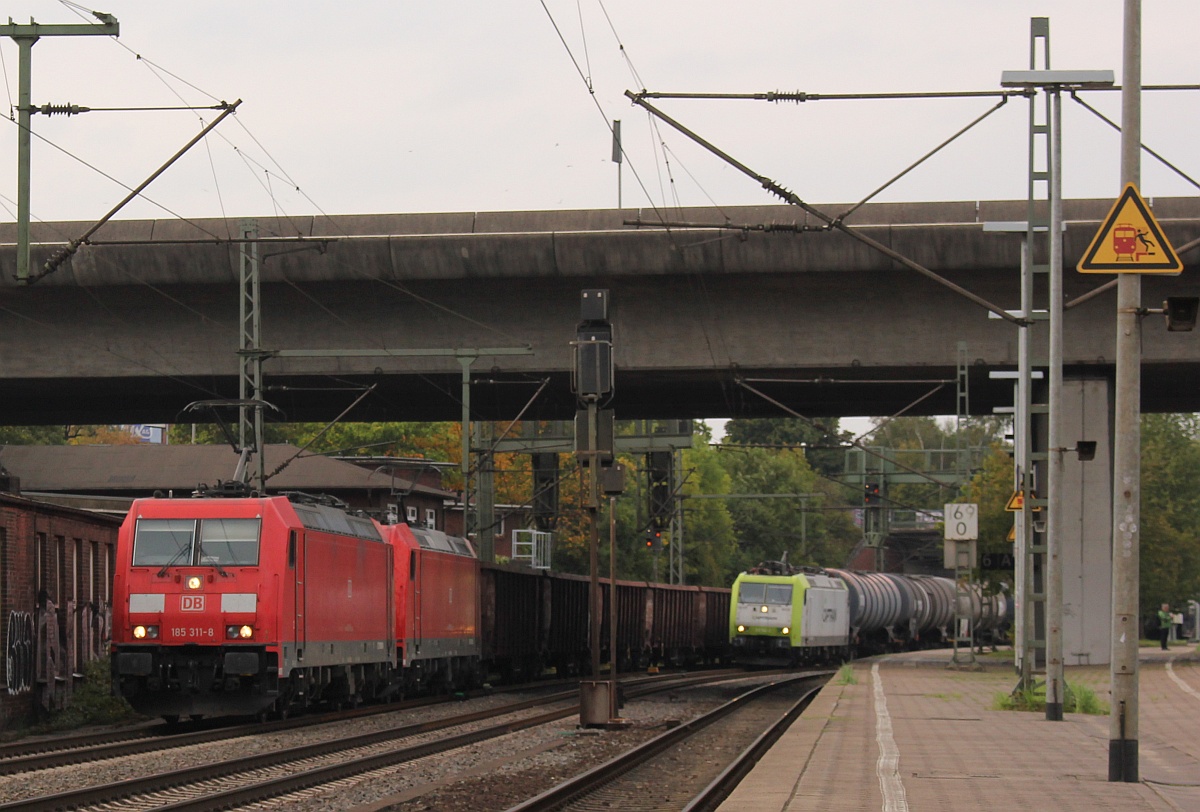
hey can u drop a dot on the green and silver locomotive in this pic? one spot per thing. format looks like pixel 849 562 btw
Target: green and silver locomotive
pixel 778 612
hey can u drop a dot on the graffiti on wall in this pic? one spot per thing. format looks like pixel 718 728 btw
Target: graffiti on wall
pixel 19 668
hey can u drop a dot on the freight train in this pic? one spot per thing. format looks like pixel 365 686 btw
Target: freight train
pixel 235 604
pixel 809 614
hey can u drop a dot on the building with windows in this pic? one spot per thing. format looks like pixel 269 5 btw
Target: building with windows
pixel 56 568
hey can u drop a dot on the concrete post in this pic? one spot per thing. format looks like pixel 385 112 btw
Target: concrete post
pixel 1123 671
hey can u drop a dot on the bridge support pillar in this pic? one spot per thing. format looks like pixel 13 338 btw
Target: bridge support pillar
pixel 1087 522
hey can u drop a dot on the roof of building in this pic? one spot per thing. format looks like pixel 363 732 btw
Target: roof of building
pixel 37 504
pixel 100 469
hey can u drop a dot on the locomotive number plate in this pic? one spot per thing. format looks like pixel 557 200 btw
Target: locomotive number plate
pixel 193 633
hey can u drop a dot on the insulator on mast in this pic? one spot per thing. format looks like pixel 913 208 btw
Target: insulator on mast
pixel 62 109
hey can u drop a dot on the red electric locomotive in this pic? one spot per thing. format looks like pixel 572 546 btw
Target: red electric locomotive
pixel 226 606
pixel 436 596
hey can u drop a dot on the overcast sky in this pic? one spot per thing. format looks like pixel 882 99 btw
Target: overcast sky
pixel 478 105
pixel 483 105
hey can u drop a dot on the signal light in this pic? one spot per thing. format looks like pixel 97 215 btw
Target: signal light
pixel 654 539
pixel 871 495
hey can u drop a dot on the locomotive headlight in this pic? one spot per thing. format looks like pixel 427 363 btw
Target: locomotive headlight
pixel 194 582
pixel 741 628
pixel 786 630
pixel 143 632
pixel 763 610
pixel 236 632
pixel 245 632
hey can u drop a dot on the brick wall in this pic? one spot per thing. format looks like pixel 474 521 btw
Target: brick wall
pixel 55 599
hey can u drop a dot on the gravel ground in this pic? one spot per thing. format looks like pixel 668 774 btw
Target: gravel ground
pixel 63 779
pixel 498 774
pixel 492 775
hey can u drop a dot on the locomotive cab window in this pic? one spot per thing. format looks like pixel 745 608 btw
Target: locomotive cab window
pixel 173 543
pixel 229 542
pixel 778 594
pixel 163 542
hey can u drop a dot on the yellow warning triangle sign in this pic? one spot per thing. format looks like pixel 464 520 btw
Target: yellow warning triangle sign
pixel 1012 533
pixel 1016 502
pixel 1130 241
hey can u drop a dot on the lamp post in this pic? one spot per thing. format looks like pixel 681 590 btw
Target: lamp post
pixel 1054 82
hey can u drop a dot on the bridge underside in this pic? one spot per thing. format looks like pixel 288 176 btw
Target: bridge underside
pixel 145 320
pixel 694 394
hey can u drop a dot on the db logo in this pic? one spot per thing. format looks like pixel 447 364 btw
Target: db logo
pixel 191 603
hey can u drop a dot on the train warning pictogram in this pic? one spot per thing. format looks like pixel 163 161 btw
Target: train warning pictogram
pixel 1130 241
pixel 1016 502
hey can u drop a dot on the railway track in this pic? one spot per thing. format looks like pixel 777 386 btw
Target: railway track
pixel 62 751
pixel 248 779
pixel 694 766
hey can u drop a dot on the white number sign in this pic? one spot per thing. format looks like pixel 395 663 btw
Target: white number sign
pixel 962 522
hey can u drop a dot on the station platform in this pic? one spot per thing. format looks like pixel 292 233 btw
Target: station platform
pixel 910 734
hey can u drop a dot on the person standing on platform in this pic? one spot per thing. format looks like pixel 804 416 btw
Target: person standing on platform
pixel 1164 624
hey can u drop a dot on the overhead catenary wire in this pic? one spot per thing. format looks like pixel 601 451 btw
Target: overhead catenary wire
pixel 109 177
pixel 1003 101
pixel 61 256
pixel 1146 149
pixel 159 71
pixel 741 382
pixel 793 199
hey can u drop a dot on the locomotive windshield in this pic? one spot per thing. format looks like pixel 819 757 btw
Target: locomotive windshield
pixel 173 542
pixel 779 594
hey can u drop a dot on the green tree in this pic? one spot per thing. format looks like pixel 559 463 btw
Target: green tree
pixel 710 542
pixel 803 515
pixel 822 439
pixel 34 435
pixel 1170 511
pixel 990 487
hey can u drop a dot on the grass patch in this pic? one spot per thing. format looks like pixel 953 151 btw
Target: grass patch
pixel 1077 699
pixel 845 675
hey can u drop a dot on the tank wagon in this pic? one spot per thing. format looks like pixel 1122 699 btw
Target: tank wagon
pixel 812 614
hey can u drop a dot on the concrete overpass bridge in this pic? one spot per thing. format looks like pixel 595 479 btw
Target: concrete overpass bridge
pixel 144 320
